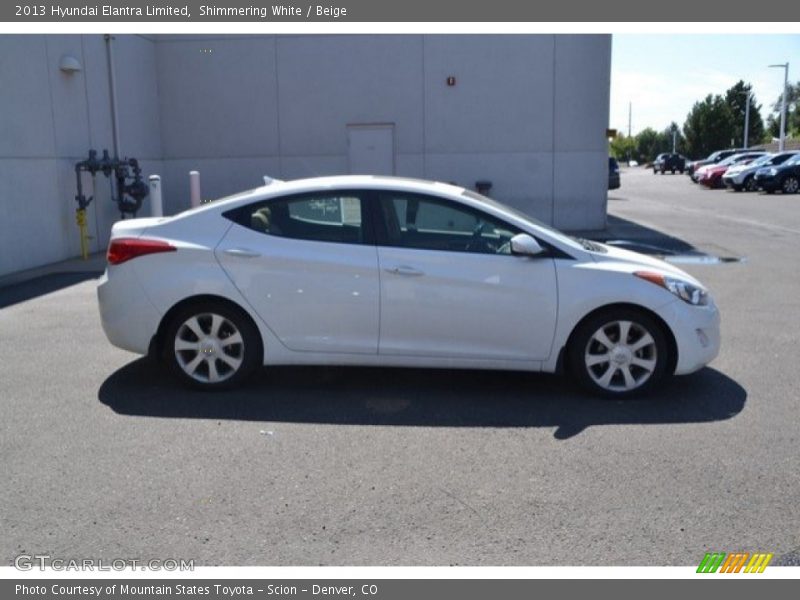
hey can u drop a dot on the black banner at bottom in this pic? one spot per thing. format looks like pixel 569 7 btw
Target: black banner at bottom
pixel 385 589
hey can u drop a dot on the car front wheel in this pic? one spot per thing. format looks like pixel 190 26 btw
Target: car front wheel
pixel 619 353
pixel 790 185
pixel 212 346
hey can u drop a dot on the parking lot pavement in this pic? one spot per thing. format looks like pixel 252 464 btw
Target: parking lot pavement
pixel 106 457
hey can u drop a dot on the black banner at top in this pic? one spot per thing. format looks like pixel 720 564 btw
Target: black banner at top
pixel 464 11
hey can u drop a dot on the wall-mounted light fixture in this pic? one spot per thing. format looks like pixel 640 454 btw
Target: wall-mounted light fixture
pixel 69 64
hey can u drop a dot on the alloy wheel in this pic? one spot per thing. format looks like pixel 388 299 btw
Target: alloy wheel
pixel 621 356
pixel 209 348
pixel 790 185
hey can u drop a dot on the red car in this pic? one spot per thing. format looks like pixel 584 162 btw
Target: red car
pixel 711 175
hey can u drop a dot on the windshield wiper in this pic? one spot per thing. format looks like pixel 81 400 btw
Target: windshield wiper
pixel 590 245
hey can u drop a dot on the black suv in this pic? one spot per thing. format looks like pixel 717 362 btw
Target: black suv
pixel 669 162
pixel 613 173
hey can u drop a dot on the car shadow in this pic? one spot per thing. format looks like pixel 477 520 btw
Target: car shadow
pixel 419 397
pixel 46 284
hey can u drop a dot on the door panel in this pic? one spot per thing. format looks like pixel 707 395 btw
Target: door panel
pixel 314 293
pixel 461 304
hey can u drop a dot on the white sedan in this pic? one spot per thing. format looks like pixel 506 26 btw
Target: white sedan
pixel 384 271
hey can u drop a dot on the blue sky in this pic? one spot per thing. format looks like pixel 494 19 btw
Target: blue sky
pixel 663 75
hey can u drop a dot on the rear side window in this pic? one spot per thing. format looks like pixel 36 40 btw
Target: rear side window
pixel 324 217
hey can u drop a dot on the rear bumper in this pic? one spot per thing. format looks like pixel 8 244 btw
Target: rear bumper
pixel 128 317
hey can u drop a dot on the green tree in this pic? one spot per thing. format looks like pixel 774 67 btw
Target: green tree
pixel 623 147
pixel 736 97
pixel 792 113
pixel 709 126
pixel 649 144
pixel 680 141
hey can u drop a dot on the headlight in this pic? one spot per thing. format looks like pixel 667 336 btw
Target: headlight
pixel 688 292
pixel 772 172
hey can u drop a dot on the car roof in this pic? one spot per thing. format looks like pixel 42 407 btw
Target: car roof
pixel 340 182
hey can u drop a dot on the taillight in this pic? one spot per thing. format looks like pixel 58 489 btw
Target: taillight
pixel 123 249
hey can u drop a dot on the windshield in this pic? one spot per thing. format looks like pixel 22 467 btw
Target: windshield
pixel 794 160
pixel 730 160
pixel 763 160
pixel 562 237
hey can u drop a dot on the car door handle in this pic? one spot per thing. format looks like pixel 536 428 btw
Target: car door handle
pixel 405 270
pixel 241 252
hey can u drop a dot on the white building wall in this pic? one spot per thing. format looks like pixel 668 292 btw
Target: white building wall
pixel 48 122
pixel 527 112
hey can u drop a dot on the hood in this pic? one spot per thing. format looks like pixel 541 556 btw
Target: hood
pixel 635 261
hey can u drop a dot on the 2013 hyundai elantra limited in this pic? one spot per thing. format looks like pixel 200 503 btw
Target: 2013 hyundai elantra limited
pixel 385 271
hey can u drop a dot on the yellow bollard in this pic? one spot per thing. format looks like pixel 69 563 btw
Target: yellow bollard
pixel 80 219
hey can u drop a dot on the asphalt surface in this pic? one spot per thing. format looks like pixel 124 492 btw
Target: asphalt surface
pixel 104 456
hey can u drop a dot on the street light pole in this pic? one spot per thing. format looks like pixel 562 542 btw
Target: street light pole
pixel 785 67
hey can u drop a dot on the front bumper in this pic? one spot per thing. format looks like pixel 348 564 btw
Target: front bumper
pixel 734 180
pixel 712 181
pixel 697 334
pixel 768 183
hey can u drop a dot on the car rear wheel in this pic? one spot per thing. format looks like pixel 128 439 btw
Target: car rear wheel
pixel 211 345
pixel 619 353
pixel 790 185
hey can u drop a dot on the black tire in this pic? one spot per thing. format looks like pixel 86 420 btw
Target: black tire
pixel 681 171
pixel 790 185
pixel 750 184
pixel 673 171
pixel 214 348
pixel 584 347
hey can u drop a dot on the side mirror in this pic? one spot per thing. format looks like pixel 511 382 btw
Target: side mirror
pixel 523 244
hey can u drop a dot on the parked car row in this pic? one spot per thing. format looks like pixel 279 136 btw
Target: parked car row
pixel 749 170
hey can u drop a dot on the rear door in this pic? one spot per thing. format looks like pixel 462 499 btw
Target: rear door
pixel 308 266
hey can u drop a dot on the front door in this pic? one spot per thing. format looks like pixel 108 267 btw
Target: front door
pixel 450 286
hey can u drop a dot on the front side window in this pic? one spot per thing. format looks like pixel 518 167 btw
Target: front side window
pixel 324 217
pixel 426 223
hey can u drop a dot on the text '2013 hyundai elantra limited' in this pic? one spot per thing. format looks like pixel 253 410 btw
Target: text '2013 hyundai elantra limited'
pixel 384 271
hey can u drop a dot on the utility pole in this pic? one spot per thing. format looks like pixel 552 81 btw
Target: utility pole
pixel 746 136
pixel 674 136
pixel 785 67
pixel 630 112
